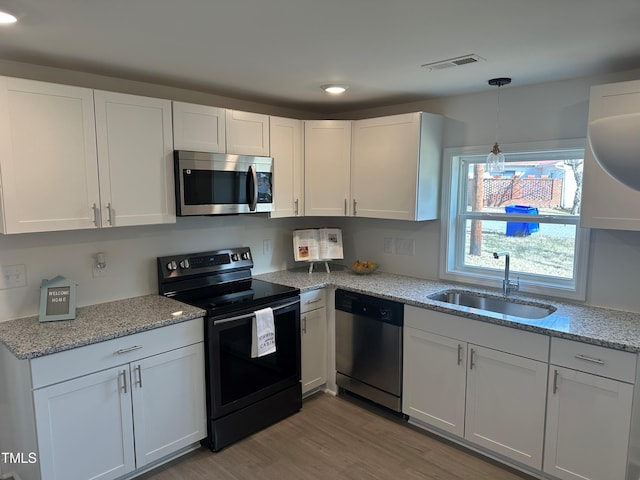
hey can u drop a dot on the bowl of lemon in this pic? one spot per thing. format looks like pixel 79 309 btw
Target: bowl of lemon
pixel 363 268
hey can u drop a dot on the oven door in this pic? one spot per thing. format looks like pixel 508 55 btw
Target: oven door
pixel 235 380
pixel 210 184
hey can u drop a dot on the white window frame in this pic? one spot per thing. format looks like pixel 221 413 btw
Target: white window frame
pixel 451 266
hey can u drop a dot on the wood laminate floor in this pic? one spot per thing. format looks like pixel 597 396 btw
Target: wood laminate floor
pixel 335 438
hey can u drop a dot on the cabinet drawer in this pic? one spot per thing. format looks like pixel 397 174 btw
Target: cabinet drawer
pixel 312 300
pixel 505 339
pixel 80 361
pixel 588 358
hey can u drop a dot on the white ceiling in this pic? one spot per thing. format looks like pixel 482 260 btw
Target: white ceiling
pixel 281 51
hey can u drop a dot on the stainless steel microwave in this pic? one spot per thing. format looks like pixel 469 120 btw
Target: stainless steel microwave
pixel 219 184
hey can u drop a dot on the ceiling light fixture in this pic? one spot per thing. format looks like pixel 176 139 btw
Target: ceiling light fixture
pixel 7 18
pixel 495 159
pixel 334 89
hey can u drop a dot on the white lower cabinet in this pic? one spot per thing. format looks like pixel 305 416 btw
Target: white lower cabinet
pixel 313 322
pixel 85 427
pixel 107 410
pixel 474 380
pixel 589 416
pixel 106 424
pixel 430 360
pixel 506 404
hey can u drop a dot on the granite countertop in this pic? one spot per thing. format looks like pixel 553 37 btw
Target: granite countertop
pixel 29 338
pixel 599 326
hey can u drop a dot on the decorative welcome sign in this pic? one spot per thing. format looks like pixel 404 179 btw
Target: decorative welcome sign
pixel 57 299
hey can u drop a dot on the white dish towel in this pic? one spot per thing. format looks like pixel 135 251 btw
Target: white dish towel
pixel 263 335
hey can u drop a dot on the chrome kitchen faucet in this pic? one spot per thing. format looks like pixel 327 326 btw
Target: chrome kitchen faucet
pixel 507 285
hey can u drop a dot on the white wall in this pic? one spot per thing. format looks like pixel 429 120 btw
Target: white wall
pixel 131 255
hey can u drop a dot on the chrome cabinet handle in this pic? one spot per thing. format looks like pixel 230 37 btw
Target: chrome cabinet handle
pixel 354 207
pixel 96 215
pixel 555 381
pixel 139 372
pixel 346 212
pixel 295 207
pixel 304 324
pixel 127 350
pixel 459 354
pixel 122 381
pixel 109 214
pixel 471 356
pixel 309 302
pixel 586 358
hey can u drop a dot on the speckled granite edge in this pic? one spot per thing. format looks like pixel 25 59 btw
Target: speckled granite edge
pixel 29 338
pixel 598 326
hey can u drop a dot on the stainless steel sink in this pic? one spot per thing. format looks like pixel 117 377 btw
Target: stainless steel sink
pixel 501 305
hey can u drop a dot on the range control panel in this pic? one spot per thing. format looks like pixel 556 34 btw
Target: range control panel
pixel 215 261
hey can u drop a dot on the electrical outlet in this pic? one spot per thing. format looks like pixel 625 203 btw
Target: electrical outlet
pixel 267 247
pixel 13 276
pixel 388 245
pixel 99 272
pixel 405 246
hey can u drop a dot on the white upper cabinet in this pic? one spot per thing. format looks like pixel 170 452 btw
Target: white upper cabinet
pixel 607 203
pixel 48 158
pixel 247 133
pixel 199 128
pixel 327 156
pixel 288 166
pixel 395 166
pixel 202 128
pixel 135 159
pixel 69 161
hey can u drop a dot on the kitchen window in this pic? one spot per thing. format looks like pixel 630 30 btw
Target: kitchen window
pixel 530 208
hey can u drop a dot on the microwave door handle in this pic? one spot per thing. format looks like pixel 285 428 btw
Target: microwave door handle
pixel 252 188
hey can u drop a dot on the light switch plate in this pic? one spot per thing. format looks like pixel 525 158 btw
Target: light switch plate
pixel 13 276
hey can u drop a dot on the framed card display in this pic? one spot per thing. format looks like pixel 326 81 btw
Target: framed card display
pixel 57 299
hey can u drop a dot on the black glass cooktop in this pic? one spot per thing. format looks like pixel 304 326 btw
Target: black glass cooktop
pixel 238 296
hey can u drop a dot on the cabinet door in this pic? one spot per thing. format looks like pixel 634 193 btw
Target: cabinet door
pixel 384 166
pixel 247 133
pixel 314 349
pixel 434 376
pixel 588 420
pixel 47 157
pixel 506 404
pixel 607 203
pixel 135 155
pixel 168 402
pixel 200 128
pixel 327 155
pixel 288 163
pixel 85 427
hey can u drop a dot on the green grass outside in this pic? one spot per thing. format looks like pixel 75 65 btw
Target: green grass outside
pixel 535 253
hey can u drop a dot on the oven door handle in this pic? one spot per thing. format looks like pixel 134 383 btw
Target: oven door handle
pixel 252 314
pixel 252 188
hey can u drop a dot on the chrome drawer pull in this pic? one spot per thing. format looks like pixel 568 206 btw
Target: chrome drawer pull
pixel 590 359
pixel 127 350
pixel 309 302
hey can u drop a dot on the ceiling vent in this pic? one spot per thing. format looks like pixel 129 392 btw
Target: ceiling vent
pixel 454 62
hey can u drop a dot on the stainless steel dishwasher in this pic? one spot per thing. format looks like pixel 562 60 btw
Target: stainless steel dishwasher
pixel 369 347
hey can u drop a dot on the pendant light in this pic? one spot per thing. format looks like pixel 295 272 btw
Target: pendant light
pixel 495 159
